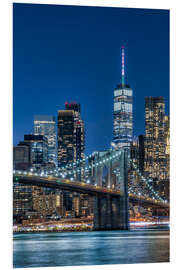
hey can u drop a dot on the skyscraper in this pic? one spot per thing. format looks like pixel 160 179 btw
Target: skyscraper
pixel 37 150
pixel 123 115
pixel 134 156
pixel 155 160
pixel 141 153
pixel 71 138
pixel 79 132
pixel 167 134
pixel 45 125
pixel 167 151
pixel 21 157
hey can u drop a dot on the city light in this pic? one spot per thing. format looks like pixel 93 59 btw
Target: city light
pixel 76 169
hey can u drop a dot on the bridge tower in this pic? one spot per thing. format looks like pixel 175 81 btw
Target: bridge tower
pixel 111 212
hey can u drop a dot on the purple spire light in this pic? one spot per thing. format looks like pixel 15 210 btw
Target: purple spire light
pixel 122 65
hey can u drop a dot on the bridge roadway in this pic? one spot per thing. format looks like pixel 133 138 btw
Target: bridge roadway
pixel 81 187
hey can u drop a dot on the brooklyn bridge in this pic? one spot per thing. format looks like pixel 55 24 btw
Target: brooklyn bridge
pixel 112 198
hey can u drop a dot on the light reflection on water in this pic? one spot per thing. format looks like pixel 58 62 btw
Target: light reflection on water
pixel 90 248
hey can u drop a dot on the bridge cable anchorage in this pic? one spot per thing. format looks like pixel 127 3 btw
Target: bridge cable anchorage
pixel 147 184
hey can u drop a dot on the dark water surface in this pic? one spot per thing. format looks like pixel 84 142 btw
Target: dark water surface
pixel 90 248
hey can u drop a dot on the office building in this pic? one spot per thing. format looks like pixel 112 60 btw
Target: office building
pixel 76 205
pixel 22 200
pixel 71 137
pixel 167 134
pixel 45 125
pixel 167 151
pixel 134 151
pixel 155 159
pixel 37 150
pixel 133 177
pixel 123 113
pixel 141 153
pixel 21 157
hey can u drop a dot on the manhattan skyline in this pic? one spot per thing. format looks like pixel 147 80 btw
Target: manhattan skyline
pixel 66 53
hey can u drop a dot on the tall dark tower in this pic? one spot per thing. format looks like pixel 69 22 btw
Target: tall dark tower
pixel 71 138
pixel 123 113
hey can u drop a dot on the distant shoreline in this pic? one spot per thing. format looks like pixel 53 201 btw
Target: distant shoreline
pixel 91 230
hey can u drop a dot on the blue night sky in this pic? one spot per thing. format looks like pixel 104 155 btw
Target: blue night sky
pixel 66 53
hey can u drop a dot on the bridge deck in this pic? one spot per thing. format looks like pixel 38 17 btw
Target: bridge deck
pixel 65 184
pixel 81 187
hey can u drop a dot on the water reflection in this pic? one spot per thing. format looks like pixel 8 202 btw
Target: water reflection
pixel 90 248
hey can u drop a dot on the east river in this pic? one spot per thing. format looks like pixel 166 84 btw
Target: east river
pixel 90 248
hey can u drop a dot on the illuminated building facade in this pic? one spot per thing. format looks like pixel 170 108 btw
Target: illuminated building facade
pixel 45 203
pixel 71 138
pixel 134 151
pixel 167 151
pixel 21 157
pixel 123 114
pixel 31 201
pixel 79 132
pixel 71 145
pixel 167 134
pixel 86 205
pixel 141 152
pixel 45 125
pixel 38 146
pixel 76 205
pixel 22 199
pixel 155 159
pixel 59 204
pixel 134 156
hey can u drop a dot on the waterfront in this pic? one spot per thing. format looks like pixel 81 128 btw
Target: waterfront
pixel 90 248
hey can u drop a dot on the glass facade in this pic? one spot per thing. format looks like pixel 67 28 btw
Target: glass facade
pixel 141 139
pixel 154 141
pixel 21 157
pixel 123 116
pixel 156 160
pixel 45 125
pixel 71 137
pixel 38 150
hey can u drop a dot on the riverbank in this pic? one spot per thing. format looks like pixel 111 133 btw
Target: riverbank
pixel 86 229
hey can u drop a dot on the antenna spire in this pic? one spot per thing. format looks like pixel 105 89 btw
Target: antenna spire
pixel 122 65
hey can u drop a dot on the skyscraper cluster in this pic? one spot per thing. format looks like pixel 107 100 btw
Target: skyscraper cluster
pixel 150 152
pixel 54 146
pixel 45 150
